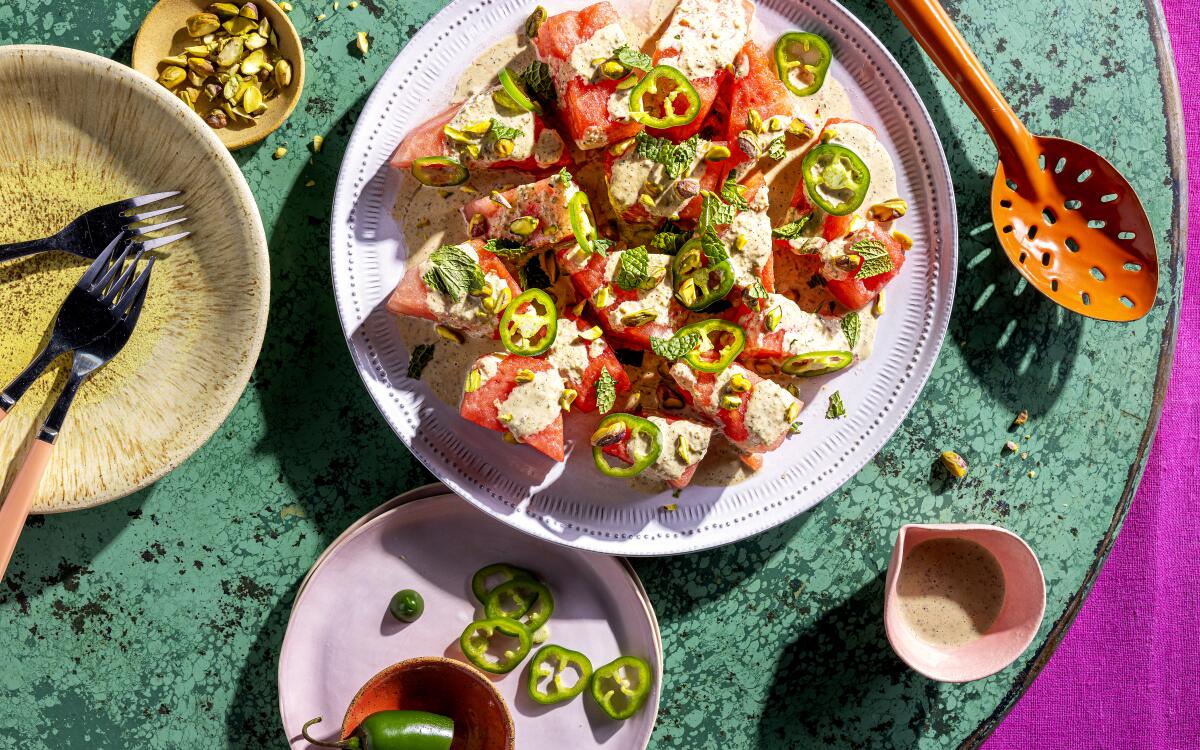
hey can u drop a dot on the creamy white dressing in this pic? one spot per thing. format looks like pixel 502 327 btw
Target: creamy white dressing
pixel 766 413
pixel 805 332
pixel 570 353
pixel 488 366
pixel 704 36
pixel 549 147
pixel 600 46
pixel 657 298
pixel 618 106
pixel 670 465
pixel 631 173
pixel 829 102
pixel 533 405
pixel 482 108
pixel 749 262
pixel 859 139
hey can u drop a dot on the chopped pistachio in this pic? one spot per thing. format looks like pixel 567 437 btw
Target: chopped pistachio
pixel 621 147
pixel 285 6
pixel 318 141
pixel 739 244
pixel 1032 474
pixel 567 398
pixel 601 298
pixel 524 226
pixel 754 121
pixel 504 147
pixel 202 23
pixel 280 152
pixel 878 305
pixel 361 41
pixel 524 375
pixel 792 412
pixel 591 334
pixel 716 152
pixel 730 402
pixel 310 183
pixel 687 292
pixel 684 450
pixel 638 317
pixel 504 417
pixel 578 309
pixel 739 383
pixel 1021 418
pixel 448 333
pixel 646 200
pixel 905 241
pixel 954 463
pixel 888 210
pixel 1011 447
pixel 320 17
pixel 628 82
pixel 609 435
pixel 474 380
pixel 774 317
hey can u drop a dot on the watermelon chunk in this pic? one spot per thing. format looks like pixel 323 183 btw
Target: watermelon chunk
pixel 581 359
pixel 529 411
pixel 797 332
pixel 601 272
pixel 854 292
pixel 413 298
pixel 538 147
pixel 761 421
pixel 545 200
pixel 702 40
pixel 594 112
pixel 670 465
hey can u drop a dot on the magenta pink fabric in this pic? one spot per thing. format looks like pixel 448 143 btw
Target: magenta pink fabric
pixel 1127 674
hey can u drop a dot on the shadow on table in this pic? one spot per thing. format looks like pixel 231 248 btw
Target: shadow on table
pixel 333 449
pixel 1019 345
pixel 840 685
pixel 253 717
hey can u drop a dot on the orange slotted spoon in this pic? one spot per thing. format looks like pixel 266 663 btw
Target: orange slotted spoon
pixel 1068 220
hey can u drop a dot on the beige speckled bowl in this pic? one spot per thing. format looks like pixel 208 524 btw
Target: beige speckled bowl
pixel 162 34
pixel 81 131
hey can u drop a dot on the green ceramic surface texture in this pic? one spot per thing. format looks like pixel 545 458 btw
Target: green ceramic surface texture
pixel 155 621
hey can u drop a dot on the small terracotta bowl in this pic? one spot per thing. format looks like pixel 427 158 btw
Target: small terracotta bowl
pixel 442 686
pixel 1015 626
pixel 163 34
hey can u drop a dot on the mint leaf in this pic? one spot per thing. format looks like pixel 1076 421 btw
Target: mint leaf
pixel 500 130
pixel 714 211
pixel 876 259
pixel 602 246
pixel 791 230
pixel 734 194
pixel 777 149
pixel 677 158
pixel 675 347
pixel 836 408
pixel 453 272
pixel 564 177
pixel 633 268
pixel 421 355
pixel 632 58
pixel 852 327
pixel 538 82
pixel 714 249
pixel 668 243
pixel 606 392
pixel 505 248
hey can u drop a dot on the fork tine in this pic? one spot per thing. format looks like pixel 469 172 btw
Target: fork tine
pixel 135 218
pixel 118 287
pixel 107 277
pixel 130 305
pixel 157 242
pixel 138 231
pixel 100 262
pixel 142 200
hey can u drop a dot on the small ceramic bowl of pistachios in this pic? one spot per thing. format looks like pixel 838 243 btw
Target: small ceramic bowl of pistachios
pixel 238 64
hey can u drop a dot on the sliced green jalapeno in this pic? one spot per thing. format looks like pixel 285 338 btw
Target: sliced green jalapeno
pixel 811 364
pixel 480 581
pixel 517 94
pixel 439 171
pixel 583 224
pixel 672 84
pixel 529 332
pixel 530 601
pixel 836 178
pixel 635 432
pixel 806 54
pixel 720 344
pixel 553 662
pixel 478 636
pixel 621 687
pixel 699 282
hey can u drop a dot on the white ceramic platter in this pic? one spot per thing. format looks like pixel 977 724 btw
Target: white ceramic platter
pixel 340 634
pixel 573 503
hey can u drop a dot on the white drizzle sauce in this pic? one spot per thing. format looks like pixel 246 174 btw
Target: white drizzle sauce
pixel 766 413
pixel 482 108
pixel 706 34
pixel 631 172
pixel 669 465
pixel 533 405
pixel 752 258
pixel 657 299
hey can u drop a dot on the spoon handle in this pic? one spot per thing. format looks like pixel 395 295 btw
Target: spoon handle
pixel 929 23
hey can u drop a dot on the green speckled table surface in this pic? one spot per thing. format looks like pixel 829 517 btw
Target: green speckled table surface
pixel 155 621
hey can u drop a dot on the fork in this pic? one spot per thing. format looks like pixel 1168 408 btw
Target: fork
pixel 94 322
pixel 87 233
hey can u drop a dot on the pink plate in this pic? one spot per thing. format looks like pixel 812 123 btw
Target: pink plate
pixel 340 633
